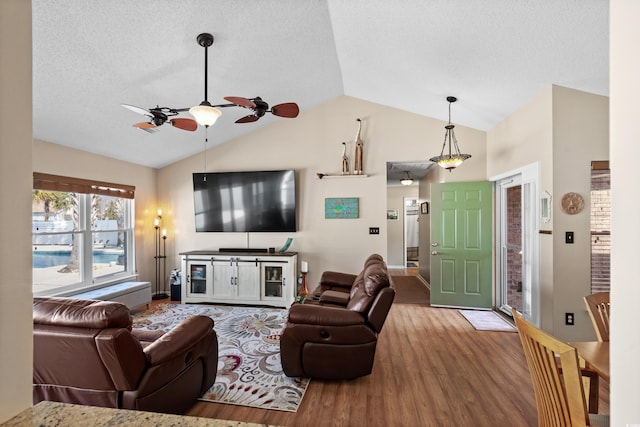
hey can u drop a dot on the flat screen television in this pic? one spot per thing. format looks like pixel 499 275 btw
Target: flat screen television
pixel 253 201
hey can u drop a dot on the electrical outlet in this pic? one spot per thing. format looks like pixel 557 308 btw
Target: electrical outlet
pixel 568 318
pixel 374 230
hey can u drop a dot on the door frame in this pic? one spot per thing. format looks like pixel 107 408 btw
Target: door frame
pixel 528 176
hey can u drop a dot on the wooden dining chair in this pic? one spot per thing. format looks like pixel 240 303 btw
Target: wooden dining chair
pixel 557 379
pixel 599 306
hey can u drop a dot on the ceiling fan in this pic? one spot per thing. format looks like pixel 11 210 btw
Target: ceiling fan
pixel 206 114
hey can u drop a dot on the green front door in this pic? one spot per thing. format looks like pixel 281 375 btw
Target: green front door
pixel 461 244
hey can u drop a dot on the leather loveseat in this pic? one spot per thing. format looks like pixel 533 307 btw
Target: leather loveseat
pixel 333 334
pixel 86 353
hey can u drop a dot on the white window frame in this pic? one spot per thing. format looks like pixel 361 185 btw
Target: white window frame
pixel 87 280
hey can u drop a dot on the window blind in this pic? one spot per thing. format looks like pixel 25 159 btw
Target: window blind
pixel 48 182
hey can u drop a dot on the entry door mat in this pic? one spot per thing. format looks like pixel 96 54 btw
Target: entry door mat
pixel 487 321
pixel 249 367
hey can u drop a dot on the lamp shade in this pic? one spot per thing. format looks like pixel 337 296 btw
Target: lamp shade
pixel 406 179
pixel 455 158
pixel 205 114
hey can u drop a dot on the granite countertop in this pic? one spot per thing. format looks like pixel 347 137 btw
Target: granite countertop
pixel 49 414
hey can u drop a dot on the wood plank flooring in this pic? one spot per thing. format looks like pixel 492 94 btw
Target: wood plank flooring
pixel 431 369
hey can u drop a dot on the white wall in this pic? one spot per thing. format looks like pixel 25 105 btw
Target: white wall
pixel 625 230
pixel 310 144
pixel 16 348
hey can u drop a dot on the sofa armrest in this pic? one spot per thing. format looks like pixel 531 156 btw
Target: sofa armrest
pixel 336 279
pixel 323 315
pixel 177 341
pixel 147 336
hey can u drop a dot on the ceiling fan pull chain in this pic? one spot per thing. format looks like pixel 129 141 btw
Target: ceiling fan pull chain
pixel 206 139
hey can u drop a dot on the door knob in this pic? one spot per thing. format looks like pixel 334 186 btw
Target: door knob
pixel 434 244
pixel 434 252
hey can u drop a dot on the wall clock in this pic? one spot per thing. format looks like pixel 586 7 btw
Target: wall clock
pixel 572 203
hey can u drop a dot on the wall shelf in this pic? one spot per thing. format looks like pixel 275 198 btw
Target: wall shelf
pixel 328 175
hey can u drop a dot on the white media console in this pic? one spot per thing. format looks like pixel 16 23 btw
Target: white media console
pixel 236 277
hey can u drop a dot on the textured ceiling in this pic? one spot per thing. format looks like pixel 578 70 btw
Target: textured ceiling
pixel 494 55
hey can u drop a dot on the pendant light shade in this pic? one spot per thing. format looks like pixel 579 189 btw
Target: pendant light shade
pixel 406 179
pixel 205 114
pixel 453 158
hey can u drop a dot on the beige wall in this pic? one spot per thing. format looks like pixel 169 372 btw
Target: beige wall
pixel 60 160
pixel 16 347
pixel 580 135
pixel 311 144
pixel 625 231
pixel 556 125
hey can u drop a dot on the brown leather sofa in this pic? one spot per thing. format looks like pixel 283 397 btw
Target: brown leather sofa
pixel 333 334
pixel 86 353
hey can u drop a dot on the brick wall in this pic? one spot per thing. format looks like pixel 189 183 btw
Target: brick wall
pixel 514 247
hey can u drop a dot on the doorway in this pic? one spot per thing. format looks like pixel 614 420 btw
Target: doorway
pixel 411 232
pixel 517 208
pixel 405 197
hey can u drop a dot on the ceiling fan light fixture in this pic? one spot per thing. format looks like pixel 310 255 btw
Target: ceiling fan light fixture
pixel 454 158
pixel 406 179
pixel 205 114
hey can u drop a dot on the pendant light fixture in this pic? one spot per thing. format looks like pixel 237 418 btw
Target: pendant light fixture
pixel 454 158
pixel 205 114
pixel 406 179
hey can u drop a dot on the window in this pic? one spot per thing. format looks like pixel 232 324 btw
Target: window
pixel 600 226
pixel 82 233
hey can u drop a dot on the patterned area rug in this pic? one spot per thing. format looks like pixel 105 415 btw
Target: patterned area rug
pixel 487 321
pixel 249 368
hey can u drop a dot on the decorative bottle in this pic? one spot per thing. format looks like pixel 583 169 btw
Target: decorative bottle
pixel 358 168
pixel 346 170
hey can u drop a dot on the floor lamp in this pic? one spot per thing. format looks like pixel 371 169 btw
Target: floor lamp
pixel 160 258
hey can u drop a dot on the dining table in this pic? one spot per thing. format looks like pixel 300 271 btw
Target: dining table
pixel 596 356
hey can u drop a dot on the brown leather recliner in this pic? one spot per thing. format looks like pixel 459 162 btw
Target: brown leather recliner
pixel 86 353
pixel 333 334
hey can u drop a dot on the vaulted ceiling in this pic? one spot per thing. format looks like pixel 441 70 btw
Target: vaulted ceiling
pixel 494 55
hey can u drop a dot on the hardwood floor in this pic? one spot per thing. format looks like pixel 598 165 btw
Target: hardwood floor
pixel 431 369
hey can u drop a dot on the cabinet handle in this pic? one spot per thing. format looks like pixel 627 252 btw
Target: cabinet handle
pixel 283 281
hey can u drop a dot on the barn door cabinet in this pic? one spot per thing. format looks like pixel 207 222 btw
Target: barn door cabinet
pixel 239 278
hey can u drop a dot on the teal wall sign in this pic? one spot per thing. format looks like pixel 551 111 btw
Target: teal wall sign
pixel 341 207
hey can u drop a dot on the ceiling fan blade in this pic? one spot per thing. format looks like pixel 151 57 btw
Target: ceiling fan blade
pixel 184 124
pixel 144 125
pixel 137 110
pixel 288 109
pixel 248 119
pixel 242 102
